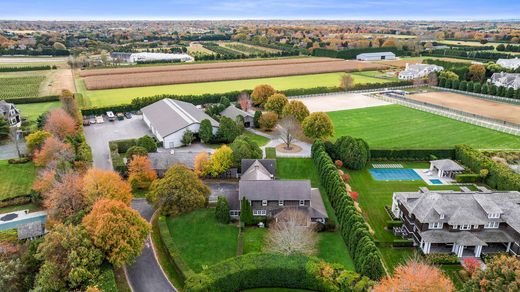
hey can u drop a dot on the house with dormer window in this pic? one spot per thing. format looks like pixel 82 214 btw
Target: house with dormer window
pixel 466 222
pixel 10 113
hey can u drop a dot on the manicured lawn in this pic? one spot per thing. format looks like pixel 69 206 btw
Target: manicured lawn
pixel 395 126
pixel 32 111
pixel 125 95
pixel 16 179
pixel 31 207
pixel 396 256
pixel 201 240
pixel 260 140
pixel 254 239
pixel 333 250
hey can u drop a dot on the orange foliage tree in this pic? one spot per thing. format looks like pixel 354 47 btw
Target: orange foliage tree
pixel 53 150
pixel 116 229
pixel 45 181
pixel 105 184
pixel 261 93
pixel 416 277
pixel 201 163
pixel 60 124
pixel 66 198
pixel 140 172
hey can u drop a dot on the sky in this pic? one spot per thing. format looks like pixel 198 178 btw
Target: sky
pixel 459 10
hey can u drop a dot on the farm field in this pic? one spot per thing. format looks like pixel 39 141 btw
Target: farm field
pixel 16 179
pixel 401 63
pixel 395 126
pixel 181 74
pixel 125 95
pixel 468 43
pixel 247 49
pixel 16 85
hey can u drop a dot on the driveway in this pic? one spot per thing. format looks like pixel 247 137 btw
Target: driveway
pixel 98 136
pixel 8 150
pixel 145 274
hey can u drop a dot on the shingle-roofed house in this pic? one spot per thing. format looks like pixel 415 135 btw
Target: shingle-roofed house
pixel 10 113
pixel 509 80
pixel 30 230
pixel 445 168
pixel 464 222
pixel 168 119
pixel 415 71
pixel 233 112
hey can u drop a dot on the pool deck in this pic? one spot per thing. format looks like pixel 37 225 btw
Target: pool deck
pixel 427 177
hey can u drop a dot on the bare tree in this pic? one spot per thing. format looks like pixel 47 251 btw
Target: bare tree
pixel 291 234
pixel 289 128
pixel 432 79
pixel 245 101
pixel 347 82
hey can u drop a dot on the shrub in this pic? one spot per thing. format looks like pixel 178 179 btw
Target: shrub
pixel 228 130
pixel 122 145
pixel 148 143
pixel 222 210
pixel 442 259
pixel 256 119
pixel 318 125
pixel 206 131
pixel 390 224
pixel 467 178
pixel 246 213
pixel 402 243
pixel 338 163
pixel 268 120
pixel 136 150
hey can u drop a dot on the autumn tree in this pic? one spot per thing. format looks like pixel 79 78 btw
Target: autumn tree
pixel 471 265
pixel 105 184
pixel 296 109
pixel 291 235
pixel 201 163
pixel 477 73
pixel 65 199
pixel 318 125
pixel 244 148
pixel 289 130
pixel 53 151
pixel 244 100
pixel 501 274
pixel 261 93
pixel 179 191
pixel 118 230
pixel 140 172
pixel 268 120
pixel 416 277
pixel 69 104
pixel 70 261
pixel 220 161
pixel 276 103
pixel 45 181
pixel 346 82
pixel 60 124
pixel 35 140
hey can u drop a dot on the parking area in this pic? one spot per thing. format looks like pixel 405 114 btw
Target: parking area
pixel 98 136
pixel 340 101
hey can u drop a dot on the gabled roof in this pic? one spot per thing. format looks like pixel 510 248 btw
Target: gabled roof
pixel 256 172
pixel 168 116
pixel 269 164
pixel 233 112
pixel 447 165
pixel 273 190
pixel 30 230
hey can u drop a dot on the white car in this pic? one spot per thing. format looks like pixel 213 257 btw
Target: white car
pixel 111 116
pixel 99 120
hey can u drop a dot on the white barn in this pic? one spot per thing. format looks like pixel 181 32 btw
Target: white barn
pixel 168 119
pixel 376 56
pixel 150 57
pixel 512 64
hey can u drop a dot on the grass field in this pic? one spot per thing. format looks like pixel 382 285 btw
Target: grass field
pixel 20 86
pixel 16 179
pixel 125 95
pixel 260 140
pixel 395 126
pixel 201 240
pixel 32 111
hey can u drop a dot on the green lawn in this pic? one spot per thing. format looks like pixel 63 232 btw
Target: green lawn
pixel 31 207
pixel 125 95
pixel 201 240
pixel 16 179
pixel 453 272
pixel 254 239
pixel 332 249
pixel 260 140
pixel 32 111
pixel 398 126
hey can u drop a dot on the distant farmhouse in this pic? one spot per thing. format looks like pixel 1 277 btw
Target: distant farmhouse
pixel 509 80
pixel 168 119
pixel 376 56
pixel 233 112
pixel 415 71
pixel 10 113
pixel 271 197
pixel 150 57
pixel 466 223
pixel 512 64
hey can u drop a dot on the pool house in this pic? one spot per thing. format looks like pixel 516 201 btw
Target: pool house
pixel 445 168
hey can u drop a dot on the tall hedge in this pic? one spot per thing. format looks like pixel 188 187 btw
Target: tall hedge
pixel 500 177
pixel 352 225
pixel 267 270
pixel 352 53
pixel 412 154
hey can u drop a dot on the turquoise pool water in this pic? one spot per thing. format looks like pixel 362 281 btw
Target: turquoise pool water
pixel 394 174
pixel 436 181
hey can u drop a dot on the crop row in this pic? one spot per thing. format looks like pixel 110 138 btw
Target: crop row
pixel 13 87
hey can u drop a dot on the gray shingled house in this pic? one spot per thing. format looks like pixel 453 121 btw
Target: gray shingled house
pixel 467 223
pixel 10 113
pixel 233 112
pixel 270 197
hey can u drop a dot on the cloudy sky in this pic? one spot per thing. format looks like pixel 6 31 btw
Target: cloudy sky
pixel 259 9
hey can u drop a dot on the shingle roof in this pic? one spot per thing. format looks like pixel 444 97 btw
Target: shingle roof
pixel 258 190
pixel 30 230
pixel 164 160
pixel 168 116
pixel 232 112
pixel 256 171
pixel 447 164
pixel 269 164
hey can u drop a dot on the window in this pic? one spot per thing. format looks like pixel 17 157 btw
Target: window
pixel 435 225
pixel 280 203
pixel 442 216
pixel 493 215
pixel 234 213
pixel 475 226
pixel 259 212
pixel 492 225
pixel 302 203
pixel 264 203
pixel 465 227
pixel 455 226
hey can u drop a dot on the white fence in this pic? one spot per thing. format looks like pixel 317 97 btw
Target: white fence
pixel 480 95
pixel 353 91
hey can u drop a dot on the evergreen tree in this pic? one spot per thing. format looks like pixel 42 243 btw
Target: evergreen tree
pixel 206 131
pixel 222 210
pixel 246 213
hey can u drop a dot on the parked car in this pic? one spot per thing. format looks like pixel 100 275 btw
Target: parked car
pixel 92 119
pixel 128 115
pixel 111 116
pixel 120 116
pixel 99 119
pixel 86 121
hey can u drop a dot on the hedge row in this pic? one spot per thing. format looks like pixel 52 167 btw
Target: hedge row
pixel 267 270
pixel 174 255
pixel 353 228
pixel 477 87
pixel 467 178
pixel 458 68
pixel 482 55
pixel 24 100
pixel 352 53
pixel 26 68
pixel 412 154
pixel 500 177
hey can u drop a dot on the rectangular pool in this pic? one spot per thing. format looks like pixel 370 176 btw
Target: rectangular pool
pixel 436 181
pixel 394 174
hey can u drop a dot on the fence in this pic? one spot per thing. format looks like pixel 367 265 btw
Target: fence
pixel 353 91
pixel 480 95
pixel 495 124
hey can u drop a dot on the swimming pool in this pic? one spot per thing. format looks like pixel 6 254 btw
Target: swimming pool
pixel 436 181
pixel 394 174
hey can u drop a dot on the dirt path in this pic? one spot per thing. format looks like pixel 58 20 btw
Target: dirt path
pixel 487 108
pixel 61 79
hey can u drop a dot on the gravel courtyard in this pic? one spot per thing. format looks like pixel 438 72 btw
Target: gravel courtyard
pixel 340 101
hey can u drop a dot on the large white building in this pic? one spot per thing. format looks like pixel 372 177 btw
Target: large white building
pixel 512 64
pixel 415 71
pixel 376 56
pixel 150 57
pixel 169 119
pixel 509 80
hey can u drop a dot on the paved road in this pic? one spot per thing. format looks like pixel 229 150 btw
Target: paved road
pixel 145 274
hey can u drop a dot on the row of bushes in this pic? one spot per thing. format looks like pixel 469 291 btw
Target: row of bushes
pixel 467 178
pixel 468 48
pixel 173 254
pixel 477 87
pixel 24 100
pixel 352 53
pixel 27 68
pixel 266 270
pixel 353 228
pixel 412 154
pixel 42 52
pixel 480 55
pixel 458 68
pixel 500 176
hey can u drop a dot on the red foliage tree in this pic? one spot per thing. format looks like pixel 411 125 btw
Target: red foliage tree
pixel 354 196
pixel 338 163
pixel 60 124
pixel 471 265
pixel 53 150
pixel 140 172
pixel 66 198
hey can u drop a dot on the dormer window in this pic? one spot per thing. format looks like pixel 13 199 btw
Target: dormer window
pixel 465 227
pixel 280 203
pixel 492 225
pixel 264 203
pixel 435 225
pixel 493 215
pixel 302 203
pixel 442 216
